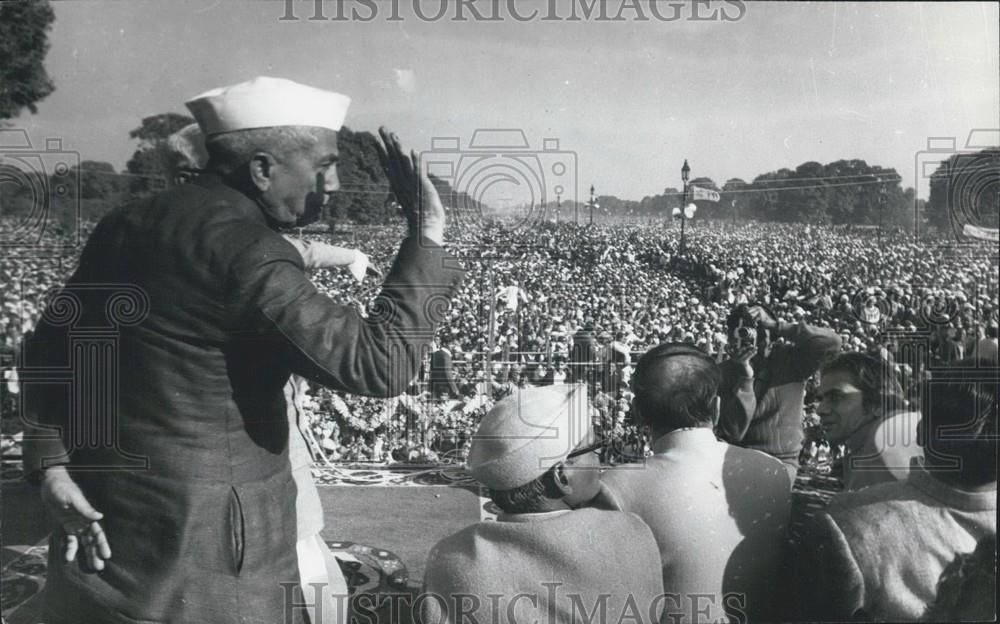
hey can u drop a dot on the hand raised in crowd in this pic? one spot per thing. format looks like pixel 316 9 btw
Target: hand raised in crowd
pixel 66 502
pixel 743 358
pixel 412 188
pixel 761 316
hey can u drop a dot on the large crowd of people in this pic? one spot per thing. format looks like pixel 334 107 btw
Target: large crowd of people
pixel 563 302
pixel 546 357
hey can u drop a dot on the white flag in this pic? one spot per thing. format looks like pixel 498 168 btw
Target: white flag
pixel 989 234
pixel 705 194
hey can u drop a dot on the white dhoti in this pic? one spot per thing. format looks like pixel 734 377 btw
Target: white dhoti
pixel 323 586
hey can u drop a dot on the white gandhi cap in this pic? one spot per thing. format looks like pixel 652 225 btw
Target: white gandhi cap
pixel 267 103
pixel 527 433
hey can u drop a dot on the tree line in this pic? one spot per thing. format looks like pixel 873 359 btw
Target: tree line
pixel 964 189
pixel 840 192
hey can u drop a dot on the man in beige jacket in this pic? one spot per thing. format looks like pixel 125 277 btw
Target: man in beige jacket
pixel 718 511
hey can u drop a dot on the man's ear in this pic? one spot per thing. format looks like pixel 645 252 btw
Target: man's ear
pixel 262 170
pixel 560 480
pixel 877 409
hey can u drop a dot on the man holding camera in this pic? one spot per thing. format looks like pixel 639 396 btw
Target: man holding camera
pixel 206 530
pixel 763 383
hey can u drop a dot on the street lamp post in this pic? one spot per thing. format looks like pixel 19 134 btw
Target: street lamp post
pixel 593 204
pixel 881 212
pixel 558 205
pixel 685 172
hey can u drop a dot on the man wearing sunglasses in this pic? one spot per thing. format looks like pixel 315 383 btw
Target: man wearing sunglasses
pixel 718 512
pixel 543 560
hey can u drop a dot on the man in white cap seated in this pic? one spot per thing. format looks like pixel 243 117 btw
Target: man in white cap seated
pixel 189 514
pixel 543 560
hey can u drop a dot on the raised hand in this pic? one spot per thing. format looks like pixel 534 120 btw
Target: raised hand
pixel 412 188
pixel 78 520
pixel 743 357
pixel 761 316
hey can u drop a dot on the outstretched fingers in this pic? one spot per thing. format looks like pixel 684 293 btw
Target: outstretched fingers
pixel 399 168
pixel 71 548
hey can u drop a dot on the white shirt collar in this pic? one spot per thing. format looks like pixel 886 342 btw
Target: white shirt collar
pixel 531 517
pixel 685 436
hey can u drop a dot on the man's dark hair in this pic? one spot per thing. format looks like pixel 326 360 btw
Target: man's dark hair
pixel 675 386
pixel 530 497
pixel 959 418
pixel 874 376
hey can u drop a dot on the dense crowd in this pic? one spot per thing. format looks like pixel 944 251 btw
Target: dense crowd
pixel 533 293
pixel 546 303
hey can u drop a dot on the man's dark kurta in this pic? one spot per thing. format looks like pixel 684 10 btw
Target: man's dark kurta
pixel 207 532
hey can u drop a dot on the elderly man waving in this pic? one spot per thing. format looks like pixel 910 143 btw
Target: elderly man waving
pixel 202 527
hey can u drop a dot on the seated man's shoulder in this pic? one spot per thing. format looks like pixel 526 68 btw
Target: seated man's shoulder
pixel 467 545
pixel 457 543
pixel 614 533
pixel 626 481
pixel 757 462
pixel 871 508
pixel 614 520
pixel 452 562
pixel 638 529
pixel 879 524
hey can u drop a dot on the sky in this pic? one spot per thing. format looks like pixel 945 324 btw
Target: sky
pixel 627 100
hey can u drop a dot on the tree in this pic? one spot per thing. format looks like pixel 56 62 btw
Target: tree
pixel 364 195
pixel 364 188
pixel 99 180
pixel 844 191
pixel 856 189
pixel 903 209
pixel 24 29
pixel 965 189
pixel 150 165
pixel 613 206
pixel 766 202
pixel 733 199
pixel 670 199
